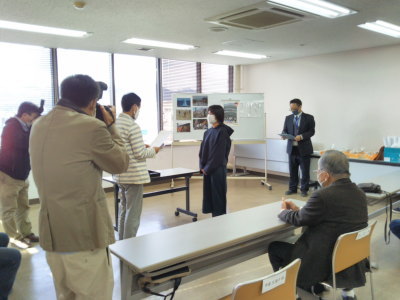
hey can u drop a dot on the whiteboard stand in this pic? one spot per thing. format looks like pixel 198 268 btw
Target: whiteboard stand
pixel 265 180
pixel 172 183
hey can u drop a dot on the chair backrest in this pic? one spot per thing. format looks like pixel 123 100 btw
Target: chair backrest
pixel 279 285
pixel 351 248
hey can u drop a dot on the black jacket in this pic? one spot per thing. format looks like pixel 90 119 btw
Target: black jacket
pixel 331 211
pixel 14 152
pixel 215 147
pixel 306 129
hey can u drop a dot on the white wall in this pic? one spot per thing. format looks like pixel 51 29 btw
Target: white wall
pixel 354 96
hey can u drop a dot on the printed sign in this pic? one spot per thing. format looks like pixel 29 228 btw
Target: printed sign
pixel 273 281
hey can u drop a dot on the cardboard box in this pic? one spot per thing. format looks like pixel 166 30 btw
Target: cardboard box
pixel 391 154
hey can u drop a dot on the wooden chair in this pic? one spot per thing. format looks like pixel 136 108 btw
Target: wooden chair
pixel 351 248
pixel 252 290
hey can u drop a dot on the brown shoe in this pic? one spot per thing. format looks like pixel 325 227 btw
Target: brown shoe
pixel 32 238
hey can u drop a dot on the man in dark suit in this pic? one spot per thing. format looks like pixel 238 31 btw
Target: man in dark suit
pixel 302 127
pixel 339 207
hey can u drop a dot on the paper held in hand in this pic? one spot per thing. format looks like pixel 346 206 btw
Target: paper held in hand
pixel 287 136
pixel 161 138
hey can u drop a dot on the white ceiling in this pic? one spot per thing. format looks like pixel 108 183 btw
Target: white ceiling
pixel 182 21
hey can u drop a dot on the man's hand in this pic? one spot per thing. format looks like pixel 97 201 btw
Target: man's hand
pixel 283 138
pixel 147 146
pixel 108 119
pixel 283 204
pixel 157 149
pixel 202 171
pixel 291 205
pixel 298 138
pixel 287 204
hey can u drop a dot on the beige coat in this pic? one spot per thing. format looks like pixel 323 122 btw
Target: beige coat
pixel 69 151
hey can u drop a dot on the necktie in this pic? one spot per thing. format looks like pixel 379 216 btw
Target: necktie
pixel 296 125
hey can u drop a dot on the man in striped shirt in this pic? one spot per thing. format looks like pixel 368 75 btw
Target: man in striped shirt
pixel 131 182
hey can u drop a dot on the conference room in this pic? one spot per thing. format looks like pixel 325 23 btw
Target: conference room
pixel 249 57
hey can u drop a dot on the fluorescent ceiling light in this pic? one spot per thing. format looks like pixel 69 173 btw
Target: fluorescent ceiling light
pixel 382 27
pixel 317 7
pixel 41 29
pixel 240 54
pixel 159 44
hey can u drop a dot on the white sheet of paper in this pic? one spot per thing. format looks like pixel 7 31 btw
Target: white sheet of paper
pixel 273 281
pixel 161 138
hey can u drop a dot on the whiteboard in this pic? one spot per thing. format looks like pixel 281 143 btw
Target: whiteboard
pixel 243 112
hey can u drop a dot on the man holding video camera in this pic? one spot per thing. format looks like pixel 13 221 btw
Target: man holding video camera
pixel 14 171
pixel 69 149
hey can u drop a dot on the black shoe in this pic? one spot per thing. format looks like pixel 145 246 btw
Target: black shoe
pixel 304 194
pixel 349 297
pixel 290 192
pixel 317 289
pixel 396 210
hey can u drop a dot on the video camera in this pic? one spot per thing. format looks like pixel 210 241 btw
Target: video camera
pixel 99 113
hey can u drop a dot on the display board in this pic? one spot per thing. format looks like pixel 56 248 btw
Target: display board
pixel 243 112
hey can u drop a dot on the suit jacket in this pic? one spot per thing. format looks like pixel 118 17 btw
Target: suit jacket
pixel 69 150
pixel 331 211
pixel 306 129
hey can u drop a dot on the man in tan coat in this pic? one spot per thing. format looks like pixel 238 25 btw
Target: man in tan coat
pixel 69 149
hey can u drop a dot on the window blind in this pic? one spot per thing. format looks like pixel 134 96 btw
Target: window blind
pixel 138 74
pixel 95 64
pixel 25 75
pixel 214 78
pixel 177 77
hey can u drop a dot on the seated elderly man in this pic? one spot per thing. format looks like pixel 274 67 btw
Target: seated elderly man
pixel 339 207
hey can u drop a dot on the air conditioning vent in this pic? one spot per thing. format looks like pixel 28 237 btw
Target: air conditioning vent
pixel 287 12
pixel 259 16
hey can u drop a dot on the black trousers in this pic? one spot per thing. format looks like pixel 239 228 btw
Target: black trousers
pixel 296 161
pixel 279 255
pixel 214 192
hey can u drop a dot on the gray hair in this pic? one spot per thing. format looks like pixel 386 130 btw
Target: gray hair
pixel 334 162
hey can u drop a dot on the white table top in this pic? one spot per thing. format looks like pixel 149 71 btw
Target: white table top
pixel 170 246
pixel 163 173
pixel 389 183
pixel 175 172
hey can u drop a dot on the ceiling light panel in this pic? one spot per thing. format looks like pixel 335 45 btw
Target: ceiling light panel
pixel 317 7
pixel 42 29
pixel 159 44
pixel 383 28
pixel 241 54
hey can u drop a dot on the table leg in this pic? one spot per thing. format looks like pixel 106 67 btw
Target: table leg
pixel 116 205
pixel 187 210
pixel 187 181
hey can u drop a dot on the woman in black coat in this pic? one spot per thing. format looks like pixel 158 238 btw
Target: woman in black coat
pixel 214 152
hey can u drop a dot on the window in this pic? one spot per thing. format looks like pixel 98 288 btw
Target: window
pixel 177 77
pixel 25 75
pixel 214 78
pixel 138 74
pixel 95 64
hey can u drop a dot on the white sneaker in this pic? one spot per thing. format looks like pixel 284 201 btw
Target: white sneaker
pixel 396 210
pixel 21 244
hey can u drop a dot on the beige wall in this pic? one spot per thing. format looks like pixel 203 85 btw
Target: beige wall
pixel 354 96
